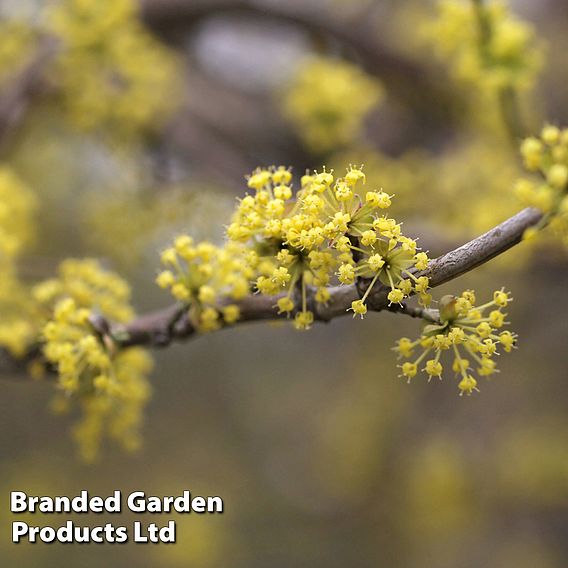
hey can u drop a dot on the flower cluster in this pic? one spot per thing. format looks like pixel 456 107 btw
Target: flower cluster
pixel 328 100
pixel 471 171
pixel 18 324
pixel 17 208
pixel 471 334
pixel 89 286
pixel 328 231
pixel 547 156
pixel 206 278
pixel 286 246
pixel 109 384
pixel 112 73
pixel 488 46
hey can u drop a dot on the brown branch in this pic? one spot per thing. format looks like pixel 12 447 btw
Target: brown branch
pixel 482 249
pixel 174 20
pixel 162 327
pixel 427 314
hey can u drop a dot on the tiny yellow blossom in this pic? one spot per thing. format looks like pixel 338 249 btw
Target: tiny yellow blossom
pixel 304 320
pixel 467 385
pixel 285 305
pixel 358 307
pixel 110 384
pixel 409 370
pixel 433 368
pixel 165 279
pixel 395 296
pixel 327 102
pixel 465 331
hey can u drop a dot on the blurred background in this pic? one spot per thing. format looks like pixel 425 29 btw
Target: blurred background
pixel 144 126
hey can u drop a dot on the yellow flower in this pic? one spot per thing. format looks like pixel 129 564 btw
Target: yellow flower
pixel 346 274
pixel 304 320
pixel 395 296
pixel 109 384
pixel 433 368
pixel 547 156
pixel 409 370
pixel 358 307
pixel 208 320
pixel 285 305
pixel 165 279
pixel 327 102
pixel 465 330
pixel 111 72
pixel 467 385
pixel 487 46
pixel 206 294
pixel 231 314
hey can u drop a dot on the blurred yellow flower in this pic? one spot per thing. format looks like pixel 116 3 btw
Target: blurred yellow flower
pixel 328 100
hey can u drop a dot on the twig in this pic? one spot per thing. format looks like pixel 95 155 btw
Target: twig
pixel 427 314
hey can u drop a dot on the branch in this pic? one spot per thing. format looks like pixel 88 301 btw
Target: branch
pixel 174 20
pixel 481 249
pixel 162 327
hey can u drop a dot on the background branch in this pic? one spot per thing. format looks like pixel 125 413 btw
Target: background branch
pixel 174 20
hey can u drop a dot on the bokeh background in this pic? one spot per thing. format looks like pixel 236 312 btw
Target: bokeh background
pixel 324 457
